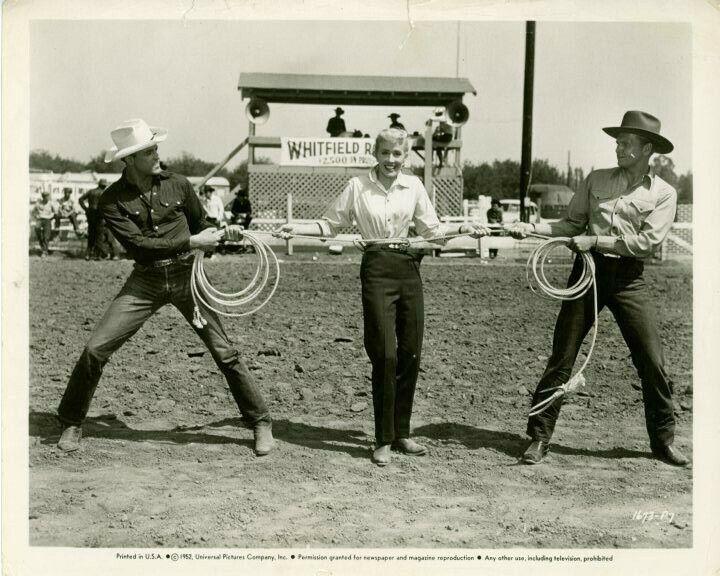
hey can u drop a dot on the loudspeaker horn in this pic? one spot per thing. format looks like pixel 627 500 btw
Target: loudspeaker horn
pixel 257 111
pixel 457 113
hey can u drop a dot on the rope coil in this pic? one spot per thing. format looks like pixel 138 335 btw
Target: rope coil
pixel 266 271
pixel 539 284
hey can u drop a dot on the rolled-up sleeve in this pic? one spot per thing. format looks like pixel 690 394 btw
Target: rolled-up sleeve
pixel 339 214
pixel 425 218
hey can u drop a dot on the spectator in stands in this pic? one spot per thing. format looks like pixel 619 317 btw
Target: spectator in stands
pixel 494 216
pixel 99 242
pixel 67 211
pixel 443 134
pixel 336 125
pixel 45 212
pixel 394 121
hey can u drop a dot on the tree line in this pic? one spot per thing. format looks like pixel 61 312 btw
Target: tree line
pixel 498 179
pixel 501 178
pixel 185 164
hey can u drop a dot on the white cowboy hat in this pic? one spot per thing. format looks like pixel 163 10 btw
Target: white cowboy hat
pixel 132 136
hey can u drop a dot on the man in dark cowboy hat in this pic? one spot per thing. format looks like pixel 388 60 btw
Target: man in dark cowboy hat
pixel 336 125
pixel 394 121
pixel 158 218
pixel 621 215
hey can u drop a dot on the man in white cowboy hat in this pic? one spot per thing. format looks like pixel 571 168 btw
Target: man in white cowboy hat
pixel 158 218
pixel 336 125
pixel 621 215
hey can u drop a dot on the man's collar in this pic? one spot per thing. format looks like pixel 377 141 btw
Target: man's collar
pixel 647 178
pixel 163 175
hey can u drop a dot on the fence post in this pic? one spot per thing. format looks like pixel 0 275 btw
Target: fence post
pixel 288 242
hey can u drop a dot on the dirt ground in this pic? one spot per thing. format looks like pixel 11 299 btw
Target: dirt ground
pixel 166 462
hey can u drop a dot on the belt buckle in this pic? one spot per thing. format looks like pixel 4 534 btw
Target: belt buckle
pixel 401 246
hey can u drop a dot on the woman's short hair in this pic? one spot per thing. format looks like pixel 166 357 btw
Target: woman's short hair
pixel 393 136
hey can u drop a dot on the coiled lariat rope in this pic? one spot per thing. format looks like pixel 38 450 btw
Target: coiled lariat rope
pixel 225 304
pixel 539 284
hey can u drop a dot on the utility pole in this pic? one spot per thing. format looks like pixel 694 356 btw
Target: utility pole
pixel 526 160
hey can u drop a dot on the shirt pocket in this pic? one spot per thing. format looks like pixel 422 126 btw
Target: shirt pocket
pixel 133 210
pixel 602 201
pixel 168 209
pixel 638 209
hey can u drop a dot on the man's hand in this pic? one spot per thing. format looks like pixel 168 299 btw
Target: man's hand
pixel 519 230
pixel 284 232
pixel 207 239
pixel 233 233
pixel 582 243
pixel 475 230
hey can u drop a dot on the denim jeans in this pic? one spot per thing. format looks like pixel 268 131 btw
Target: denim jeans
pixel 393 313
pixel 145 291
pixel 621 288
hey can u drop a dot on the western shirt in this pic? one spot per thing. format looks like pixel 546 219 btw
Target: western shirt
pixel 157 224
pixel 629 218
pixel 381 213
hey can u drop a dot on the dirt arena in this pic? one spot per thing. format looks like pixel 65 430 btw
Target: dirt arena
pixel 165 461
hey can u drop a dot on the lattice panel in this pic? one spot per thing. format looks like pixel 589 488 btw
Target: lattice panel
pixel 448 196
pixel 313 191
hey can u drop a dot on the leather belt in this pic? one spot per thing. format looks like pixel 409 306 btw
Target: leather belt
pixel 400 248
pixel 180 258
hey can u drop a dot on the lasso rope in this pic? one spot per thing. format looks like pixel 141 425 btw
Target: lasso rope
pixel 204 293
pixel 539 284
pixel 220 302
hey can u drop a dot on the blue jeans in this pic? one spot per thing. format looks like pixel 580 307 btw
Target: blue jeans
pixel 394 318
pixel 621 288
pixel 145 291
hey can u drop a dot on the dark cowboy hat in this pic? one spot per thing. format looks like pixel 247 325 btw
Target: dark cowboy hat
pixel 642 124
pixel 208 188
pixel 394 116
pixel 339 110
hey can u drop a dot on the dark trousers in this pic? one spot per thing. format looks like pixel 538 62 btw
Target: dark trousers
pixel 622 289
pixel 393 314
pixel 145 291
pixel 43 232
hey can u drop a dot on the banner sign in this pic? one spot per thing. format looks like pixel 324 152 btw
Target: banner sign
pixel 326 152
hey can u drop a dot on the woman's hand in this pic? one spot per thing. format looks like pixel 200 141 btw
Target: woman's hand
pixel 285 231
pixel 519 230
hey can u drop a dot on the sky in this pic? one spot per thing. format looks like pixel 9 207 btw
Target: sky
pixel 88 76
